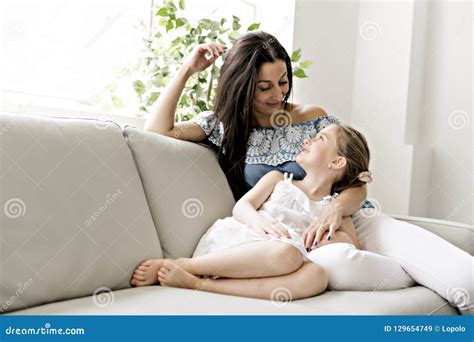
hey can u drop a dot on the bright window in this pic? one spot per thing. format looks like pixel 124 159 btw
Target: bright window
pixel 61 54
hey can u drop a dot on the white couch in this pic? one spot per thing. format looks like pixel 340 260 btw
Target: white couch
pixel 84 202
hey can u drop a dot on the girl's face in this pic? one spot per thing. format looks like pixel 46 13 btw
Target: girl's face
pixel 272 86
pixel 320 150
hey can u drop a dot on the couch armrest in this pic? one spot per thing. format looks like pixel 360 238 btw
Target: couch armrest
pixel 459 234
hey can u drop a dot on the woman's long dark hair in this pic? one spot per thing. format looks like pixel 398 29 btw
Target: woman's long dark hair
pixel 234 99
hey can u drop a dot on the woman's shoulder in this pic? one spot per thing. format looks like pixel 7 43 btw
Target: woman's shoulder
pixel 302 113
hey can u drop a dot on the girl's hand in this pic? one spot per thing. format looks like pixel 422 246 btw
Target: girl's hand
pixel 198 61
pixel 330 219
pixel 273 227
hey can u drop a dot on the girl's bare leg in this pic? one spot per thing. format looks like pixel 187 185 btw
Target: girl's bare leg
pixel 309 280
pixel 248 260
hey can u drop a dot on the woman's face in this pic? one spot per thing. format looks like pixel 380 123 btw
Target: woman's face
pixel 272 86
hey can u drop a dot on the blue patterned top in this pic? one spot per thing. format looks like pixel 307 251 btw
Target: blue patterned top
pixel 268 145
pixel 270 148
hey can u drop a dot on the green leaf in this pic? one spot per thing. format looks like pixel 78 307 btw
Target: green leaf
pixel 180 22
pixel 296 55
pixel 305 64
pixel 163 21
pixel 254 26
pixel 169 25
pixel 181 4
pixel 233 36
pixel 298 72
pixel 235 23
pixel 153 97
pixel 116 101
pixel 172 7
pixel 162 12
pixel 139 87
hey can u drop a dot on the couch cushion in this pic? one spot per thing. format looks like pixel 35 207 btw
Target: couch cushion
pixel 74 216
pixel 157 300
pixel 185 188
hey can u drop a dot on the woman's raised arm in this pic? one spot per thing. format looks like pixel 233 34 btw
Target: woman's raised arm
pixel 163 112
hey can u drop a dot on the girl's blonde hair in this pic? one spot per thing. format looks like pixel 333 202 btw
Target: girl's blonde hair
pixel 352 145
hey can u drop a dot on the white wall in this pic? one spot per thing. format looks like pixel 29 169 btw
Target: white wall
pixel 447 114
pixel 396 70
pixel 324 30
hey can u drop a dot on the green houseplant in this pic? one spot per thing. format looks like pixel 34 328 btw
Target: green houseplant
pixel 168 39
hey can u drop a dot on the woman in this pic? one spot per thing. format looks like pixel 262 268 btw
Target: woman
pixel 252 97
pixel 254 86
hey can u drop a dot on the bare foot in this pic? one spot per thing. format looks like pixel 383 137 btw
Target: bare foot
pixel 171 274
pixel 145 274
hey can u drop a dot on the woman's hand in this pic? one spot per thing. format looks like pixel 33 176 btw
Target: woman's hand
pixel 330 219
pixel 270 227
pixel 198 61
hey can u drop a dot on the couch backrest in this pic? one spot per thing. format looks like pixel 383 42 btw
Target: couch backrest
pixel 74 217
pixel 185 188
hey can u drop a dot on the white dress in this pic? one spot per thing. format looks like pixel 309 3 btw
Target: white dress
pixel 347 267
pixel 287 204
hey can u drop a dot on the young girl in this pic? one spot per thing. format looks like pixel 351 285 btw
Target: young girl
pixel 264 246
